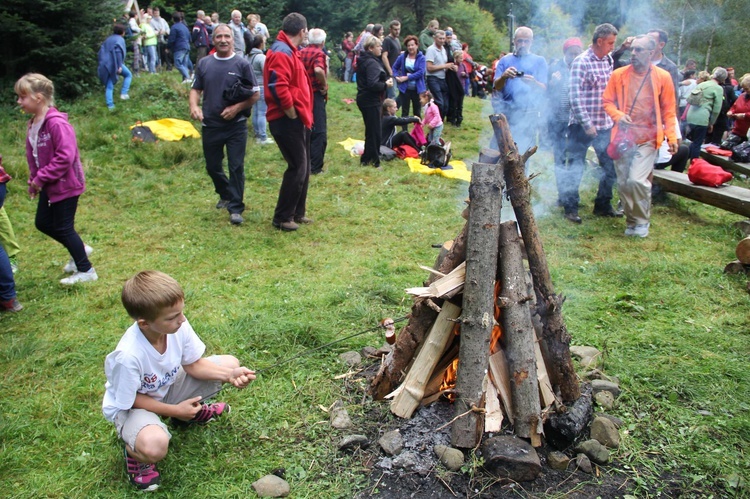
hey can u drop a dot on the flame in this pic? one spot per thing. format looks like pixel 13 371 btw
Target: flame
pixel 451 373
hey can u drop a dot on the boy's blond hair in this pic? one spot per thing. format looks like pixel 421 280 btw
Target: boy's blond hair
pixel 147 293
pixel 35 83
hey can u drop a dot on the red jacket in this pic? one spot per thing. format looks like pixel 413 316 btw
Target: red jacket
pixel 286 82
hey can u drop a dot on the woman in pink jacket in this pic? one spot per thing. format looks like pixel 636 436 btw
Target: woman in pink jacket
pixel 55 172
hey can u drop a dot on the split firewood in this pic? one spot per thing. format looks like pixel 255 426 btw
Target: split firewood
pixel 501 379
pixel 743 251
pixel 452 283
pixel 493 419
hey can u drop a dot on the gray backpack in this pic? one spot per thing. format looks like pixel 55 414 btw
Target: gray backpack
pixel 696 98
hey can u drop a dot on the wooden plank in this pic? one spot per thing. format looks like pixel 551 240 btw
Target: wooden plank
pixel 726 163
pixel 501 378
pixel 409 395
pixel 493 418
pixel 727 197
pixel 545 387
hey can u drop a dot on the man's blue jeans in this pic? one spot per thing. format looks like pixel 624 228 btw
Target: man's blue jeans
pixel 109 89
pixel 259 116
pixel 181 62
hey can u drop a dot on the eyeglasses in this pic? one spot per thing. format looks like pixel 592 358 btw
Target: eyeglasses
pixel 640 49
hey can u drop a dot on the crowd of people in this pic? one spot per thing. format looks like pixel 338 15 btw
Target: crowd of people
pixel 632 110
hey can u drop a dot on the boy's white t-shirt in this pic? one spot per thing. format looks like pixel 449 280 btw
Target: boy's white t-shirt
pixel 136 366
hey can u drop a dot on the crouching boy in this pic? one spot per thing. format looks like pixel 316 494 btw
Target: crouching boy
pixel 158 369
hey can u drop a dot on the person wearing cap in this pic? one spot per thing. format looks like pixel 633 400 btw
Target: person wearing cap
pixel 589 124
pixel 558 113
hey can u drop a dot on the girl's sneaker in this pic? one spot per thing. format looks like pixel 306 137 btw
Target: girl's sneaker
pixel 70 267
pixel 209 412
pixel 142 476
pixel 12 305
pixel 80 277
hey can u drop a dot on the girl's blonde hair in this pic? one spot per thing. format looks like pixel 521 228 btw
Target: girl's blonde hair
pixel 35 83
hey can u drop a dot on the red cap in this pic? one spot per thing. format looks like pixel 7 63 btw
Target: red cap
pixel 572 42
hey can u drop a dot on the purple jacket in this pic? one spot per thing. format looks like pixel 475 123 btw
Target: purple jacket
pixel 60 173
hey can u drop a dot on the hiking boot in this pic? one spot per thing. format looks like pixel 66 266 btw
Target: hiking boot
pixel 142 476
pixel 70 267
pixel 606 211
pixel 222 204
pixel 303 220
pixel 236 219
pixel 12 305
pixel 209 412
pixel 286 226
pixel 89 276
pixel 573 217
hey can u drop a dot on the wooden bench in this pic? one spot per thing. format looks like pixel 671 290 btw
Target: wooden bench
pixel 727 197
pixel 726 163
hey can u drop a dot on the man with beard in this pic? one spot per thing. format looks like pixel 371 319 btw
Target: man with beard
pixel 224 124
pixel 640 99
pixel 519 86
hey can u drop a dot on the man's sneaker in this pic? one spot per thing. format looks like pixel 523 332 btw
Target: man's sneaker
pixel 13 264
pixel 80 277
pixel 70 267
pixel 12 305
pixel 124 96
pixel 265 142
pixel 630 230
pixel 641 230
pixel 236 219
pixel 209 412
pixel 222 204
pixel 142 476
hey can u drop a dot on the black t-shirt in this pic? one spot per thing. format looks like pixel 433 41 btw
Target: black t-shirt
pixel 393 47
pixel 213 76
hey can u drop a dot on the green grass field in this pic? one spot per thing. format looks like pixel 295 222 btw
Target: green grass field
pixel 674 328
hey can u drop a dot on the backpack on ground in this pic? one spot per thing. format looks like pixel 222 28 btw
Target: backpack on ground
pixel 437 155
pixel 142 133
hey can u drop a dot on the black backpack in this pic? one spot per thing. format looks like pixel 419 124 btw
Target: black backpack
pixel 437 155
pixel 142 133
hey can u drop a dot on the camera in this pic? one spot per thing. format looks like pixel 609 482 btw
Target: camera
pixel 519 74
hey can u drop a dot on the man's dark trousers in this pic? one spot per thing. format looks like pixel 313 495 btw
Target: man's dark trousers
pixel 293 139
pixel 319 134
pixel 439 90
pixel 578 144
pixel 234 137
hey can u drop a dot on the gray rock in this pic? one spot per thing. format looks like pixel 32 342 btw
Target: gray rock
pixel 615 420
pixel 600 385
pixel 509 457
pixel 351 359
pixel 392 442
pixel 588 357
pixel 353 442
pixel 368 351
pixel 605 400
pixel 594 450
pixel 558 461
pixel 453 459
pixel 271 486
pixel 604 431
pixel 339 416
pixel 405 460
pixel 597 374
pixel 384 350
pixel 584 464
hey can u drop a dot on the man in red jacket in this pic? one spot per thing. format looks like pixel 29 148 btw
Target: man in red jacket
pixel 289 97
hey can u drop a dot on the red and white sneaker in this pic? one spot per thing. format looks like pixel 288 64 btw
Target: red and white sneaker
pixel 143 476
pixel 209 412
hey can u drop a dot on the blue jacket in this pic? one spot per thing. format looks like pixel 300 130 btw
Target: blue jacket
pixel 420 68
pixel 111 57
pixel 179 38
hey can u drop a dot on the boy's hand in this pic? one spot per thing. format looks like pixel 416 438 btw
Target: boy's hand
pixel 241 377
pixel 187 409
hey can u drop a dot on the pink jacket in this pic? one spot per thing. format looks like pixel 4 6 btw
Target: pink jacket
pixel 432 115
pixel 60 173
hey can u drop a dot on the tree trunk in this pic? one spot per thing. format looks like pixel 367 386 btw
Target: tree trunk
pixel 555 338
pixel 518 335
pixel 478 301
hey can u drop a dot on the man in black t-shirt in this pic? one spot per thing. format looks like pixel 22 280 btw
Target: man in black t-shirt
pixel 391 50
pixel 224 123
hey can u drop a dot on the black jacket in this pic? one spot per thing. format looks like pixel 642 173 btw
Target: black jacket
pixel 371 78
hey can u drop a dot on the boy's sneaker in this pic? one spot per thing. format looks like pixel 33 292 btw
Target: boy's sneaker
pixel 142 476
pixel 70 267
pixel 80 277
pixel 12 305
pixel 209 412
pixel 124 96
pixel 265 142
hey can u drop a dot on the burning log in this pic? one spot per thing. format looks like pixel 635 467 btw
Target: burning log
pixel 478 296
pixel 518 333
pixel 555 337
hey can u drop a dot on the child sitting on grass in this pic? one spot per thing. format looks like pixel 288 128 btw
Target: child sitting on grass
pixel 432 122
pixel 391 138
pixel 158 369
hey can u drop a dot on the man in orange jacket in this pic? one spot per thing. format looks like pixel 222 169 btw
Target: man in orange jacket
pixel 640 100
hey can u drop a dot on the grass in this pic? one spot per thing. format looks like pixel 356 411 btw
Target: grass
pixel 674 328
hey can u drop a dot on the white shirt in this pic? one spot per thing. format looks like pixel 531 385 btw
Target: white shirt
pixel 136 367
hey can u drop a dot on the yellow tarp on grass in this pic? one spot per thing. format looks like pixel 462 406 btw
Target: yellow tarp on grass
pixel 171 129
pixel 459 170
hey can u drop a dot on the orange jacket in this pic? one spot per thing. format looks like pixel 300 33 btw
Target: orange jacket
pixel 615 95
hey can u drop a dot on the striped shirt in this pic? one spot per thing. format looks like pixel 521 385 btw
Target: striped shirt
pixel 588 79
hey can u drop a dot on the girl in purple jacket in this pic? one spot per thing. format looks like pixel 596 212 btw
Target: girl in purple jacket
pixel 55 172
